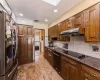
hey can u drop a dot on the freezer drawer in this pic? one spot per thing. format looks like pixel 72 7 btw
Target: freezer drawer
pixel 11 75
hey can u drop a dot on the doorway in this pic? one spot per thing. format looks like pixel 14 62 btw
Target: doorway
pixel 39 42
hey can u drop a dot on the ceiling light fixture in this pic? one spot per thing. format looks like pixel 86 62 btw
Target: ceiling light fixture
pixel 55 10
pixel 52 2
pixel 21 14
pixel 46 20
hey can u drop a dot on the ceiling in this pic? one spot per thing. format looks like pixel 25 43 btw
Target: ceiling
pixel 40 10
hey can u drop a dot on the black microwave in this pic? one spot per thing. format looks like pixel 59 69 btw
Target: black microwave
pixel 54 38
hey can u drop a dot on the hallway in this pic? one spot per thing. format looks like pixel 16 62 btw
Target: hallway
pixel 40 70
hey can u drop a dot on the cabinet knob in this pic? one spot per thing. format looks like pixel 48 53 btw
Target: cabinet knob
pixel 86 79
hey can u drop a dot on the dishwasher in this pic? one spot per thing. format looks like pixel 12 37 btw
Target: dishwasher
pixel 57 61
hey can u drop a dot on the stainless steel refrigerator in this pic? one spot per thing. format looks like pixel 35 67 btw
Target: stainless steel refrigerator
pixel 8 48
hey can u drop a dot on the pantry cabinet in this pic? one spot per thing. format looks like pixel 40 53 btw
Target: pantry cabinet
pixel 92 23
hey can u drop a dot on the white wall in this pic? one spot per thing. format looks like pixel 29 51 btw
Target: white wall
pixel 42 26
pixel 4 4
pixel 78 8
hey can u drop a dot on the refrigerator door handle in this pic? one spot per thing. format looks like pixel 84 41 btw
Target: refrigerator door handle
pixel 12 70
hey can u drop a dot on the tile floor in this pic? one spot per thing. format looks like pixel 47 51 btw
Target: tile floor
pixel 40 70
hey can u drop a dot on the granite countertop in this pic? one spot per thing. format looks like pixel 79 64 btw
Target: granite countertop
pixel 89 61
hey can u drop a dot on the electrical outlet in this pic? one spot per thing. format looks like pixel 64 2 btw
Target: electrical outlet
pixel 95 48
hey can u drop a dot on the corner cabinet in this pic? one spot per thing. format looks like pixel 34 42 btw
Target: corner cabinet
pixel 92 23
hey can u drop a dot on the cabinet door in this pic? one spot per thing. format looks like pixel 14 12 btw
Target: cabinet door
pixel 49 34
pixel 92 27
pixel 73 73
pixel 25 44
pixel 20 30
pixel 64 69
pixel 46 53
pixel 70 23
pixel 62 27
pixel 79 21
pixel 50 57
pixel 89 77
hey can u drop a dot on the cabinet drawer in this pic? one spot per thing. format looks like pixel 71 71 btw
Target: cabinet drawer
pixel 91 71
pixel 72 62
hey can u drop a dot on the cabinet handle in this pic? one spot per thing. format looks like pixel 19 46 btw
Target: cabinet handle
pixel 98 37
pixel 55 54
pixel 86 79
pixel 50 50
pixel 49 55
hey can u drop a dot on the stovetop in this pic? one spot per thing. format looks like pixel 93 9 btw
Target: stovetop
pixel 74 54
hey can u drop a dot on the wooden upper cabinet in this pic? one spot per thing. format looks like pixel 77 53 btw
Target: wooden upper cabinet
pixel 20 29
pixel 62 26
pixel 79 22
pixel 70 23
pixel 92 24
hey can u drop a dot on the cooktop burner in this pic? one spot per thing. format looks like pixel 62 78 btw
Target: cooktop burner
pixel 74 54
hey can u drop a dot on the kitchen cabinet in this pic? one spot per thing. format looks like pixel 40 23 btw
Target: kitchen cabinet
pixel 49 33
pixel 89 73
pixel 64 69
pixel 70 23
pixel 79 22
pixel 25 44
pixel 69 69
pixel 92 23
pixel 63 27
pixel 46 53
pixel 50 57
pixel 53 32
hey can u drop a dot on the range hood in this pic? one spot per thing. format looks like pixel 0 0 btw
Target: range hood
pixel 72 32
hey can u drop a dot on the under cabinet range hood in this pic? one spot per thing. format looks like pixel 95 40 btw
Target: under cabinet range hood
pixel 72 32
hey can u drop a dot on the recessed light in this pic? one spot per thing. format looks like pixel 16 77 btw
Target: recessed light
pixel 55 10
pixel 52 2
pixel 21 14
pixel 46 20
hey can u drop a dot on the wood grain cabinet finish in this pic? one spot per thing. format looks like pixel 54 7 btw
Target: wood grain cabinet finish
pixel 79 22
pixel 64 69
pixel 25 44
pixel 69 69
pixel 89 73
pixel 92 23
pixel 88 21
pixel 50 57
pixel 46 53
pixel 70 23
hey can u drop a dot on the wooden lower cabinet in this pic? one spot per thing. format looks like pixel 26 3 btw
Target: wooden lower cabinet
pixel 73 72
pixel 89 73
pixel 72 69
pixel 68 70
pixel 64 69
pixel 46 53
pixel 50 57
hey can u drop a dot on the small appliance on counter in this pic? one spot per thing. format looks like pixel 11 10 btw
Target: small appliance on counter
pixel 51 44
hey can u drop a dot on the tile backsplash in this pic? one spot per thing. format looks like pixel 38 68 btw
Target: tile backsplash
pixel 77 44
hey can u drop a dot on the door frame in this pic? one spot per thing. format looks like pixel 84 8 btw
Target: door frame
pixel 34 39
